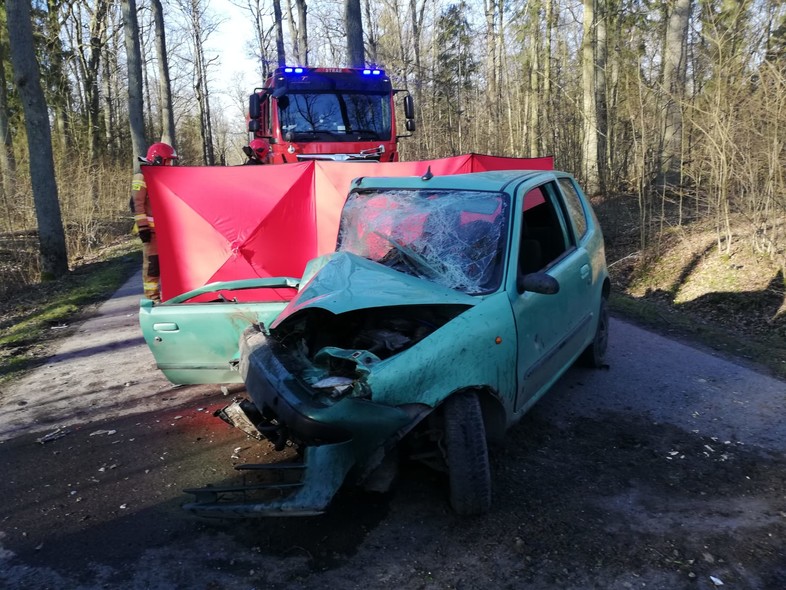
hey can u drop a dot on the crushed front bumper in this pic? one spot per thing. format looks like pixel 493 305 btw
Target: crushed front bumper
pixel 278 489
pixel 309 417
pixel 338 437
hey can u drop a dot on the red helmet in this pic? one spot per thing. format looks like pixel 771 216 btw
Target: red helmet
pixel 161 153
pixel 260 147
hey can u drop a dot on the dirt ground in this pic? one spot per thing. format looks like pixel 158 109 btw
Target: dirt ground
pixel 666 471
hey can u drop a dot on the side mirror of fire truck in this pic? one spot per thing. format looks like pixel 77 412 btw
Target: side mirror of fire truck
pixel 409 107
pixel 254 107
pixel 409 113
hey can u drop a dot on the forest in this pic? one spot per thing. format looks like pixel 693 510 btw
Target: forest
pixel 668 112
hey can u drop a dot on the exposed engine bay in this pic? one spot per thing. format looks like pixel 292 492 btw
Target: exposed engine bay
pixel 331 352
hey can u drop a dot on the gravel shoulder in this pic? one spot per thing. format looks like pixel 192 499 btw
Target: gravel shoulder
pixel 667 470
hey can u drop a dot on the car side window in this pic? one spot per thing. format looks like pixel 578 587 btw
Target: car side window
pixel 543 235
pixel 575 210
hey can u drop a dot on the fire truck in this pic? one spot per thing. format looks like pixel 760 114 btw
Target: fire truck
pixel 341 114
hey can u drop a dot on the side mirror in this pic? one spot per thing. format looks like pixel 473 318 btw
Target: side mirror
pixel 409 107
pixel 254 107
pixel 537 282
pixel 253 125
pixel 410 125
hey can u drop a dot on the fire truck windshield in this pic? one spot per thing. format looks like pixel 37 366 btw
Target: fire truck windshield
pixel 335 116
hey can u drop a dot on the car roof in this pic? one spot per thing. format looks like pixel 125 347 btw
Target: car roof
pixel 496 180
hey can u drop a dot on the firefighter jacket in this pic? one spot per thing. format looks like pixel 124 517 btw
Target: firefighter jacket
pixel 143 214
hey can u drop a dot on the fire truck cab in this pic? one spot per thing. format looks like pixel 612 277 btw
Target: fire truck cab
pixel 328 114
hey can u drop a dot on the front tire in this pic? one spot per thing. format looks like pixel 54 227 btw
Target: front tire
pixel 466 454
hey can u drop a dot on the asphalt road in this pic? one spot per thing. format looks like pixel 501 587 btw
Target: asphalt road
pixel 668 470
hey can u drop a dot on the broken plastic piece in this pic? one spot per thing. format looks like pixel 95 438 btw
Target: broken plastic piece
pixel 242 414
pixel 54 435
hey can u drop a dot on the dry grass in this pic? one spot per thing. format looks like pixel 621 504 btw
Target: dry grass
pixel 731 298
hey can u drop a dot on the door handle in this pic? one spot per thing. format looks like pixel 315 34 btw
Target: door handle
pixel 585 271
pixel 166 327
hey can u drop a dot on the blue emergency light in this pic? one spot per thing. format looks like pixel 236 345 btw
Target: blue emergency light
pixel 289 70
pixel 374 72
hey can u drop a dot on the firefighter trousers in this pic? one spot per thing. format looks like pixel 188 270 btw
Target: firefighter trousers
pixel 150 270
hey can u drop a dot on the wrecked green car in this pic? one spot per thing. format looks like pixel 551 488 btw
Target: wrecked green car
pixel 450 306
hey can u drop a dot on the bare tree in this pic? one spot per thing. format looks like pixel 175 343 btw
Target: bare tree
pixel 108 81
pixel 136 117
pixel 58 83
pixel 417 15
pixel 278 24
pixel 674 68
pixel 7 159
pixel 298 32
pixel 548 107
pixel 354 22
pixel 89 59
pixel 372 33
pixel 601 90
pixel 51 237
pixel 268 39
pixel 164 83
pixel 491 8
pixel 590 147
pixel 200 26
pixel 535 96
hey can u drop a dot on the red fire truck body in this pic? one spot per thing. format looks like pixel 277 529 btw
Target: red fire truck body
pixel 338 114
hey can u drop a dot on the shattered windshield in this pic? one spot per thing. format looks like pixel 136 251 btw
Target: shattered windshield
pixel 341 116
pixel 451 237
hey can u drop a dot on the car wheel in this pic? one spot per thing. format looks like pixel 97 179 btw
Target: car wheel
pixel 595 354
pixel 467 455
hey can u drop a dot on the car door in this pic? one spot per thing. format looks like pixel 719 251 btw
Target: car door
pixel 552 329
pixel 195 337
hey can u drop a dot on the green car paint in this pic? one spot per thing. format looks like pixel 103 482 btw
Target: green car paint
pixel 408 312
pixel 198 342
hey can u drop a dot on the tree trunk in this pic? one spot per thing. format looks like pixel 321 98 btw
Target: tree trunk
pixel 7 159
pixel 490 7
pixel 108 69
pixel 136 117
pixel 302 9
pixel 547 144
pixel 601 104
pixel 97 37
pixel 57 78
pixel 298 31
pixel 590 147
pixel 164 83
pixel 417 29
pixel 535 95
pixel 92 95
pixel 353 19
pixel 280 52
pixel 372 33
pixel 674 70
pixel 52 245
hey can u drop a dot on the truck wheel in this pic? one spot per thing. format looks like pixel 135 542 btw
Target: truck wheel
pixel 595 353
pixel 466 453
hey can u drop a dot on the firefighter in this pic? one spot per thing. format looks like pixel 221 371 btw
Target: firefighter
pixel 159 154
pixel 257 151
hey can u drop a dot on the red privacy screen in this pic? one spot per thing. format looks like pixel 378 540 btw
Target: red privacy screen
pixel 242 222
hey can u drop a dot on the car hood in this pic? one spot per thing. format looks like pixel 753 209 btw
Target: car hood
pixel 347 282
